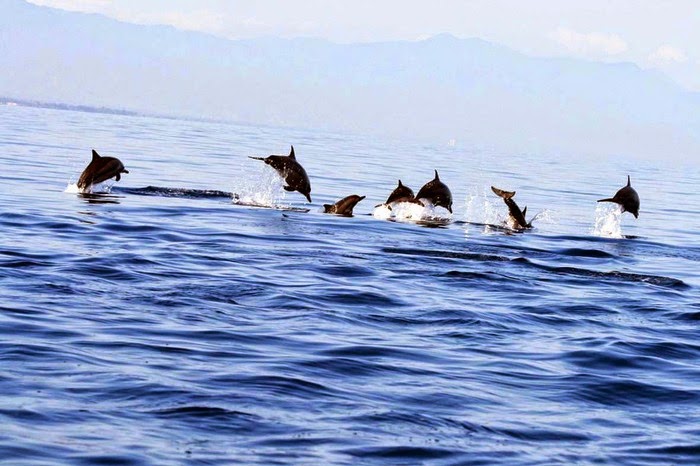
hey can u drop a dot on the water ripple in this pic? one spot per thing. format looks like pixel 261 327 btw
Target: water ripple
pixel 190 325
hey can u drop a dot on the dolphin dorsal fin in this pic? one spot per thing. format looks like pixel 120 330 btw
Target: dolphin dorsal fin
pixel 629 181
pixel 95 155
pixel 291 154
pixel 437 177
pixel 525 211
pixel 400 183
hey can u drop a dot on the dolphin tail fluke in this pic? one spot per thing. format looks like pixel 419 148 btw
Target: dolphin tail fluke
pixel 501 193
pixel 609 199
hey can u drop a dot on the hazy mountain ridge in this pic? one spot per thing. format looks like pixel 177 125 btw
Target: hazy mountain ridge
pixel 441 88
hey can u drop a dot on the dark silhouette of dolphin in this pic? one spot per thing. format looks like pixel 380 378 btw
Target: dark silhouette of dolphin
pixel 627 197
pixel 517 216
pixel 437 193
pixel 291 171
pixel 401 193
pixel 343 206
pixel 101 169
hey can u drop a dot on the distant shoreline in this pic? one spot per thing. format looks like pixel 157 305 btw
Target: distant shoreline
pixel 16 102
pixel 11 102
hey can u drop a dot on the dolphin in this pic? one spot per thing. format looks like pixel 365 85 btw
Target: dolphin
pixel 401 193
pixel 343 206
pixel 516 215
pixel 627 197
pixel 293 173
pixel 100 169
pixel 436 192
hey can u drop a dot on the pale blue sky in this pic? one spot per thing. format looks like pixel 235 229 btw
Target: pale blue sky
pixel 662 34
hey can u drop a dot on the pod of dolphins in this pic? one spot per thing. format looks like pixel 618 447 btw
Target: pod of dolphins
pixel 434 192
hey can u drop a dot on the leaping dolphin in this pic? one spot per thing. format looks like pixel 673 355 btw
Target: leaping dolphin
pixel 516 215
pixel 343 206
pixel 291 171
pixel 401 193
pixel 436 192
pixel 627 197
pixel 100 169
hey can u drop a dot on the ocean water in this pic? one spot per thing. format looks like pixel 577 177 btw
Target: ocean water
pixel 164 324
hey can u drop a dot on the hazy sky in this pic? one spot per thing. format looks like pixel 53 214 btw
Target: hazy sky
pixel 663 34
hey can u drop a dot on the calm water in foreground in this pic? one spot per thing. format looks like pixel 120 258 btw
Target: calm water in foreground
pixel 163 327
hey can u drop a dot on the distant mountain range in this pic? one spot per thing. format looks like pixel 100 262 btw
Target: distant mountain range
pixel 442 88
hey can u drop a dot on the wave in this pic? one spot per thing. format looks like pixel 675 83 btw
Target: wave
pixel 615 275
pixel 175 192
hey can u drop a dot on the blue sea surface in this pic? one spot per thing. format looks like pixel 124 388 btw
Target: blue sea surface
pixel 165 324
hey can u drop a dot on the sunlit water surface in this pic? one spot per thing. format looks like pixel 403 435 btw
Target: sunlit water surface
pixel 165 324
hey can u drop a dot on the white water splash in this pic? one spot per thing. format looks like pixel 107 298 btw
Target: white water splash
pixel 382 212
pixel 483 211
pixel 545 216
pixel 72 188
pixel 608 221
pixel 409 212
pixel 260 186
pixel 100 188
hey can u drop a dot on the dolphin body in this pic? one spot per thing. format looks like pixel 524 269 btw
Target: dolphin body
pixel 343 206
pixel 291 171
pixel 401 193
pixel 627 197
pixel 100 169
pixel 437 193
pixel 516 215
